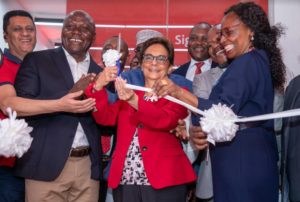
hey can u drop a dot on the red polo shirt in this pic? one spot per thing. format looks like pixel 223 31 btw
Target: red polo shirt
pixel 8 72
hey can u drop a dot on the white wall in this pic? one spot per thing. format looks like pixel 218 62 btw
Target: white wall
pixel 287 12
pixel 6 5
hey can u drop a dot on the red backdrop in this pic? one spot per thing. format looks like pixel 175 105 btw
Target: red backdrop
pixel 154 12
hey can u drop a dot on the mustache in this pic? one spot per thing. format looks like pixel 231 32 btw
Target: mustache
pixel 201 46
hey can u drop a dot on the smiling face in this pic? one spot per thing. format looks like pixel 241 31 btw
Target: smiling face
pixel 78 34
pixel 112 43
pixel 215 49
pixel 197 45
pixel 238 42
pixel 21 36
pixel 153 71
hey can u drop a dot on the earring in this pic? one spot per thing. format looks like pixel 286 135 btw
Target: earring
pixel 252 38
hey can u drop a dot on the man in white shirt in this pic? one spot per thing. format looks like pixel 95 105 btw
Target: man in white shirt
pixel 64 162
pixel 198 50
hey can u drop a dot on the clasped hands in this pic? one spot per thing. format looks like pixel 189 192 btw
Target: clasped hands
pixel 110 74
pixel 72 102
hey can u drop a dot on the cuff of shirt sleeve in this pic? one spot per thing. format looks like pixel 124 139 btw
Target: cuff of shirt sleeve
pixel 204 104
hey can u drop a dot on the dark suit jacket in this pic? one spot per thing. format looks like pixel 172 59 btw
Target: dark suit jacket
pixel 182 69
pixel 290 142
pixel 249 162
pixel 46 75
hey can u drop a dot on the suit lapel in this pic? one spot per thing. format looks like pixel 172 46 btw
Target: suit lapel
pixel 213 65
pixel 186 69
pixel 216 73
pixel 60 59
pixel 94 68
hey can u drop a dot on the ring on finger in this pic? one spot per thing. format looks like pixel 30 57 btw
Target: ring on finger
pixel 164 82
pixel 112 75
pixel 121 94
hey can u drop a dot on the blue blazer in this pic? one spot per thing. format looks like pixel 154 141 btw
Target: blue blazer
pixel 182 69
pixel 46 75
pixel 136 77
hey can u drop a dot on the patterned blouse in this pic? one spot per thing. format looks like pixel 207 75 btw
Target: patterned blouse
pixel 134 172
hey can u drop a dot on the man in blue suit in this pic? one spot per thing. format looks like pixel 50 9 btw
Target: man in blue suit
pixel 64 162
pixel 198 50
pixel 136 77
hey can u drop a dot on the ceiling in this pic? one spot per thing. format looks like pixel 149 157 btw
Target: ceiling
pixel 47 9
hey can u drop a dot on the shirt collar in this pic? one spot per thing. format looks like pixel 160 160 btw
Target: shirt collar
pixel 206 62
pixel 11 57
pixel 87 56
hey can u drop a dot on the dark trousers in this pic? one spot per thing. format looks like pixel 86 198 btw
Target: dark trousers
pixel 142 193
pixel 12 189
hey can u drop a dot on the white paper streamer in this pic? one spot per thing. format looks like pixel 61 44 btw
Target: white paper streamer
pixel 15 139
pixel 110 57
pixel 219 121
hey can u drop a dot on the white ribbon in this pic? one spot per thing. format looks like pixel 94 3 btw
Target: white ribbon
pixel 219 121
pixel 15 139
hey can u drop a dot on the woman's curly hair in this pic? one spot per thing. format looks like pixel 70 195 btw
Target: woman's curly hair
pixel 265 36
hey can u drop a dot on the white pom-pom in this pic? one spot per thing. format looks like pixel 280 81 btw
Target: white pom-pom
pixel 15 139
pixel 110 57
pixel 218 125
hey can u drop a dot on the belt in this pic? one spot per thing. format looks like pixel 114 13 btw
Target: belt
pixel 244 126
pixel 80 152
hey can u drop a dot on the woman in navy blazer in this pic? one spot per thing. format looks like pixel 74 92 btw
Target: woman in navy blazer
pixel 149 163
pixel 244 169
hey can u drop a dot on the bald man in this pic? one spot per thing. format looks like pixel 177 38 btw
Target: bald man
pixel 198 50
pixel 64 162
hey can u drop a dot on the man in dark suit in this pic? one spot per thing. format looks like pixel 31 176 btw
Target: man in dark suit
pixel 198 50
pixel 290 145
pixel 64 162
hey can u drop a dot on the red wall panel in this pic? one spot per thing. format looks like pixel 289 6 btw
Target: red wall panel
pixel 152 12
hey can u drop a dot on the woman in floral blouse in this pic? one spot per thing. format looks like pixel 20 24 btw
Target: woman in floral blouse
pixel 148 163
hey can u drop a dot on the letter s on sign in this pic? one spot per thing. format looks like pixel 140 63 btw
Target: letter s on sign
pixel 178 40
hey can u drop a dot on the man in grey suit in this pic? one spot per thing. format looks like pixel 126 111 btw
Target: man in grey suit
pixel 202 86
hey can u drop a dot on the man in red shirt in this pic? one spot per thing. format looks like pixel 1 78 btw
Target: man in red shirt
pixel 20 34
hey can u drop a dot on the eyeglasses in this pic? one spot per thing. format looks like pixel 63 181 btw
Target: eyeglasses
pixel 226 31
pixel 161 59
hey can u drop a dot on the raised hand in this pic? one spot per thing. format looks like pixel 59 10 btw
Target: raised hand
pixel 123 93
pixel 126 94
pixel 107 75
pixel 166 86
pixel 82 84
